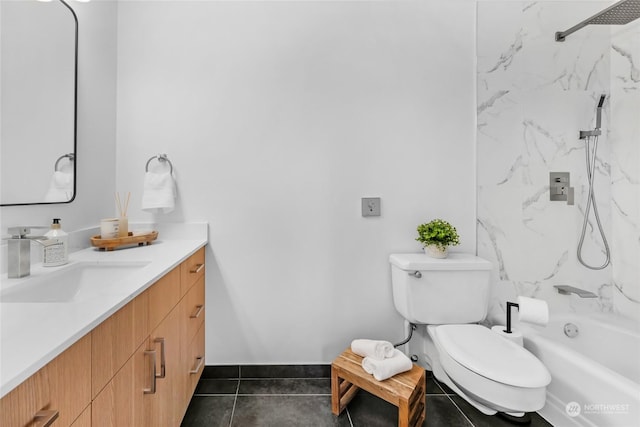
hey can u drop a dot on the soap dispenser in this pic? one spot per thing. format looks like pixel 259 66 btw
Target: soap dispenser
pixel 56 254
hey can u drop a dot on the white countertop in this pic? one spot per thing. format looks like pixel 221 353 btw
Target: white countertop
pixel 33 334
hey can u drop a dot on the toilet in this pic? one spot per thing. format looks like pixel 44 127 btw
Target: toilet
pixel 446 298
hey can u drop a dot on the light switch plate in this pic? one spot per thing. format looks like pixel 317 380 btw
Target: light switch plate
pixel 371 206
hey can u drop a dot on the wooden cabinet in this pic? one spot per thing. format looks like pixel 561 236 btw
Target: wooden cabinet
pixel 191 270
pixel 159 365
pixel 193 319
pixel 60 390
pixel 165 406
pixel 163 297
pixel 137 368
pixel 194 362
pixel 116 339
pixel 84 420
pixel 121 402
pixel 193 309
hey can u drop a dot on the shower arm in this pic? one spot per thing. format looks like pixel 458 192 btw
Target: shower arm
pixel 562 35
pixel 619 13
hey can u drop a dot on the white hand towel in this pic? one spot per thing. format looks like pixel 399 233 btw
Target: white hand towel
pixel 60 187
pixel 159 192
pixel 383 369
pixel 372 348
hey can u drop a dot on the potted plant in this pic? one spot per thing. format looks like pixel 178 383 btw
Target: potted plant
pixel 436 236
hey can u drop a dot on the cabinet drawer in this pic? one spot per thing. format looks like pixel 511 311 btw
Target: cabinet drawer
pixel 163 296
pixel 116 339
pixel 60 389
pixel 192 269
pixel 195 361
pixel 194 309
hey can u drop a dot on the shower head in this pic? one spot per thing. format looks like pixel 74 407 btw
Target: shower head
pixel 620 13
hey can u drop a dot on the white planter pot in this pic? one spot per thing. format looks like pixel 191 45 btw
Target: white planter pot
pixel 434 251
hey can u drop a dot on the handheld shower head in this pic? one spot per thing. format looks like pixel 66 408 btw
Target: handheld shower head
pixel 584 134
pixel 599 111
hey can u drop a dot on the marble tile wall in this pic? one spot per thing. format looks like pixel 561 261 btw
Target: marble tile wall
pixel 534 96
pixel 624 138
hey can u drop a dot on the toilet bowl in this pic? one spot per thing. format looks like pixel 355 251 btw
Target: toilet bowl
pixel 446 298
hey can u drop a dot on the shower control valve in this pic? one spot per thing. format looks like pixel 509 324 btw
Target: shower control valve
pixel 560 189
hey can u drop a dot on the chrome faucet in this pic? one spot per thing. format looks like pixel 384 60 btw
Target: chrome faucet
pixel 19 250
pixel 567 290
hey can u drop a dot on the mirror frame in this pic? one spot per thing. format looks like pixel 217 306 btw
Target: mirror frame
pixel 75 122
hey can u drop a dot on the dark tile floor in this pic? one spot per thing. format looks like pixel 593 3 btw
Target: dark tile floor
pixel 300 396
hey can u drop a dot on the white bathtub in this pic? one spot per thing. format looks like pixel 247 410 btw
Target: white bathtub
pixel 595 375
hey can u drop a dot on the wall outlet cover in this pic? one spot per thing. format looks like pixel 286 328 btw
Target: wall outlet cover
pixel 371 206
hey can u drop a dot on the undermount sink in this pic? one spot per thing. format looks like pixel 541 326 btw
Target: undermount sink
pixel 76 282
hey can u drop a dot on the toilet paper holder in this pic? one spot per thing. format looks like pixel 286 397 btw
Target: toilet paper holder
pixel 509 306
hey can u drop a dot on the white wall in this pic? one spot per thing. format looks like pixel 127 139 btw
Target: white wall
pixel 278 117
pixel 96 129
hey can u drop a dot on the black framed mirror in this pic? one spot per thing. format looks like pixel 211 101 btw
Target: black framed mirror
pixel 38 112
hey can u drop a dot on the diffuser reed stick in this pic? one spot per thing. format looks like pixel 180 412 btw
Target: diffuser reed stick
pixel 123 230
pixel 121 211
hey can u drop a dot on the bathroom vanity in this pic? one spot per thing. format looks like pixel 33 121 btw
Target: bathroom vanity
pixel 128 356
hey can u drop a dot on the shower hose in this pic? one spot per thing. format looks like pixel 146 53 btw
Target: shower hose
pixel 591 202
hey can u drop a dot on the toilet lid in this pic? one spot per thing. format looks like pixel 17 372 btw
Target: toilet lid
pixel 488 354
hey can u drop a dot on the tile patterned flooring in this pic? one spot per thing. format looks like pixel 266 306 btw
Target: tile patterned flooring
pixel 300 396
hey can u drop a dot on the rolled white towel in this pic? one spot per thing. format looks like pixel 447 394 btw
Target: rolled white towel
pixel 383 369
pixel 372 348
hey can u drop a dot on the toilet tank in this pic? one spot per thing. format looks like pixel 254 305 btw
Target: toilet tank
pixel 440 291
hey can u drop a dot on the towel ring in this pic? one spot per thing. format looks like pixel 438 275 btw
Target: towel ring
pixel 161 158
pixel 69 156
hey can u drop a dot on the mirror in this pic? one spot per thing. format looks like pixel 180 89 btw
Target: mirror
pixel 38 92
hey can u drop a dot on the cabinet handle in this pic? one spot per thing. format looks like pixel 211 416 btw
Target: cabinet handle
pixel 196 313
pixel 198 268
pixel 152 389
pixel 200 360
pixel 163 367
pixel 45 418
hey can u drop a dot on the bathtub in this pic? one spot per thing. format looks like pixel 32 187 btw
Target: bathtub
pixel 595 375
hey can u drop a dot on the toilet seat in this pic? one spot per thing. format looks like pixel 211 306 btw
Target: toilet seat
pixel 489 369
pixel 487 354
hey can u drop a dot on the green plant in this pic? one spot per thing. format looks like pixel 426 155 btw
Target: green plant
pixel 439 233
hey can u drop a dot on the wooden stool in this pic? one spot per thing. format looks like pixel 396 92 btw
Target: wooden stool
pixel 405 390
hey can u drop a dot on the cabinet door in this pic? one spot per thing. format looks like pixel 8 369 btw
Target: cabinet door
pixel 121 401
pixel 71 381
pixel 164 408
pixel 163 296
pixel 116 339
pixel 19 407
pixel 191 270
pixel 84 420
pixel 61 390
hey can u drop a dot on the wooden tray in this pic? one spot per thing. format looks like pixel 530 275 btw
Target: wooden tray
pixel 134 238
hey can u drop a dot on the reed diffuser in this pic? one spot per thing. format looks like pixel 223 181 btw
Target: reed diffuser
pixel 123 230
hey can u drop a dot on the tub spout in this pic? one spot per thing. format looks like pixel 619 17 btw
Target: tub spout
pixel 567 290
